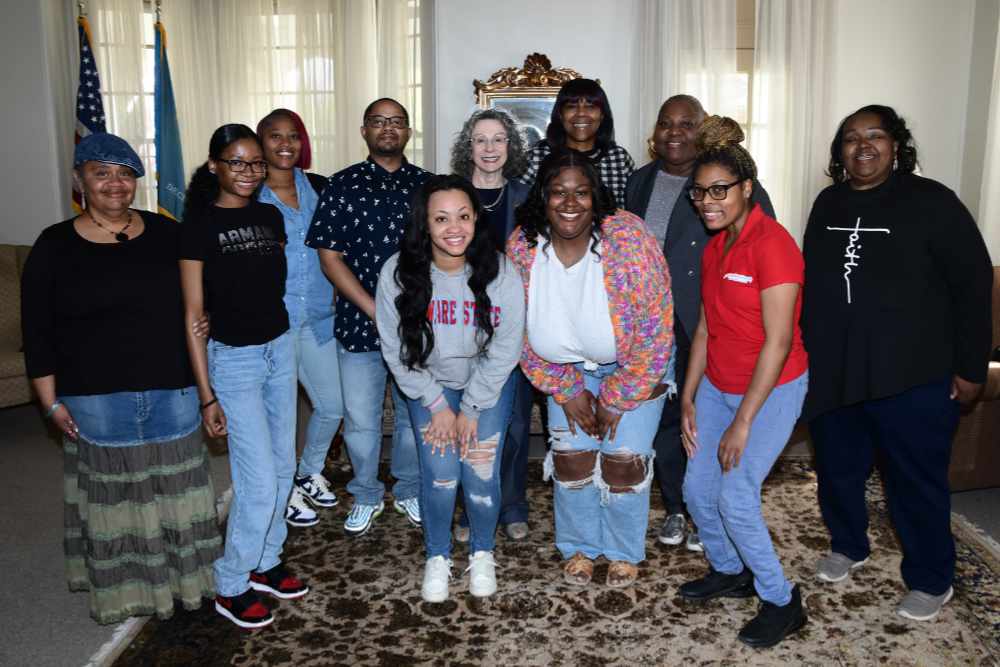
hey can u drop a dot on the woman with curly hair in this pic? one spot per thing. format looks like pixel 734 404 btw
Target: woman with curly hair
pixel 450 316
pixel 599 334
pixel 746 380
pixel 897 322
pixel 490 152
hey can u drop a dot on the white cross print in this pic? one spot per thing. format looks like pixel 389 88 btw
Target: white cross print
pixel 851 250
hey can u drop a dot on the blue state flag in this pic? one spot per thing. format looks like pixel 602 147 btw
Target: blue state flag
pixel 169 161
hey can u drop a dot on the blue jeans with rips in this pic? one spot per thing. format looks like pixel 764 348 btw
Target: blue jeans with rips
pixel 319 374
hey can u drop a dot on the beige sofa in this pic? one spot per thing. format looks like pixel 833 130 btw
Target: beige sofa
pixel 14 386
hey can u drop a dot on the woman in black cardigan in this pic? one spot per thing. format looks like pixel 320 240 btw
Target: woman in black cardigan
pixel 896 320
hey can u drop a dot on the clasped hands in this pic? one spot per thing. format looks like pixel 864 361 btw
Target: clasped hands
pixel 447 429
pixel 585 411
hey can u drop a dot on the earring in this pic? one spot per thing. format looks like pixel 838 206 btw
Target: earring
pixel 649 148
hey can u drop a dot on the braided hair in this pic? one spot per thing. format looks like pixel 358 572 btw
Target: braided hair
pixel 718 143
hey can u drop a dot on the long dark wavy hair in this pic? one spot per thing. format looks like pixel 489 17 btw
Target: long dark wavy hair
pixel 571 92
pixel 893 123
pixel 531 215
pixel 203 189
pixel 413 273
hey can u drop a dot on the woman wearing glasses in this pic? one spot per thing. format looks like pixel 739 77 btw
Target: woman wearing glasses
pixel 745 383
pixel 233 267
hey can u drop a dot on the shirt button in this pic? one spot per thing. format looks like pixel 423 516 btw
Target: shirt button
pixel 690 272
pixel 694 243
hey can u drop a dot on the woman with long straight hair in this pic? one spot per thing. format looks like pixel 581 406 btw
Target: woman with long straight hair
pixel 233 268
pixel 450 315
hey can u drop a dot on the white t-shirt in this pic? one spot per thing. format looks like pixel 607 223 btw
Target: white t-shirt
pixel 568 320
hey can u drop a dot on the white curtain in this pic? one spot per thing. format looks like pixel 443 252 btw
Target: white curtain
pixel 687 46
pixel 989 203
pixel 788 133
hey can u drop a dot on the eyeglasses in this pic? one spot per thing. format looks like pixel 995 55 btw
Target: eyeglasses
pixel 395 122
pixel 239 166
pixel 717 192
pixel 481 141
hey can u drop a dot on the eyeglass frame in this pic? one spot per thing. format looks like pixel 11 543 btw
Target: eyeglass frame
pixel 231 164
pixel 708 190
pixel 403 123
pixel 483 140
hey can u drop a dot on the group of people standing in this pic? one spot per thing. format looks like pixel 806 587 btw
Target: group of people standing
pixel 673 326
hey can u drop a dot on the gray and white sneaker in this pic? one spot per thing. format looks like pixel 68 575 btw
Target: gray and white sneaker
pixel 361 518
pixel 461 534
pixel 694 542
pixel 673 529
pixel 920 606
pixel 298 513
pixel 835 567
pixel 410 508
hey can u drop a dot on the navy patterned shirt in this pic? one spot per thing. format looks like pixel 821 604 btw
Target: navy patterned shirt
pixel 362 213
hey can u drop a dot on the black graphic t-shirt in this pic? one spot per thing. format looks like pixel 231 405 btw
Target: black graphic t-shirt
pixel 244 273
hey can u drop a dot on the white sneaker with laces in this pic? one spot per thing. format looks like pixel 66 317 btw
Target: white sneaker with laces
pixel 317 489
pixel 437 574
pixel 483 575
pixel 298 513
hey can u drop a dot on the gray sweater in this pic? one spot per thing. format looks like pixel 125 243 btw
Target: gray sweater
pixel 455 361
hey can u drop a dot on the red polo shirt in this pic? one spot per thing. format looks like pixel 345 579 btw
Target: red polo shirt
pixel 763 256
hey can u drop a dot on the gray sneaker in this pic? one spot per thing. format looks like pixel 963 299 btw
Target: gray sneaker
pixel 835 567
pixel 672 531
pixel 920 606
pixel 694 542
pixel 461 533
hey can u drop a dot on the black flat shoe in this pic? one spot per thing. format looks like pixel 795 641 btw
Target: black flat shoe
pixel 773 623
pixel 716 584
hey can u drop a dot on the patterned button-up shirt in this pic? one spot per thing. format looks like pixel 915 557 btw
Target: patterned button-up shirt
pixel 362 213
pixel 613 168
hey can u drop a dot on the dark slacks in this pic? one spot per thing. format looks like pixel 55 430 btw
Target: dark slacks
pixel 912 433
pixel 671 460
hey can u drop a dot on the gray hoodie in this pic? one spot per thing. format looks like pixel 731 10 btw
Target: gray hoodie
pixel 455 361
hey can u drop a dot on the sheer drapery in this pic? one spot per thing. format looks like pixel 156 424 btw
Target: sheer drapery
pixel 989 203
pixel 788 132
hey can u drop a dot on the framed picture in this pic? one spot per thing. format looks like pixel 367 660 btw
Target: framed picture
pixel 527 93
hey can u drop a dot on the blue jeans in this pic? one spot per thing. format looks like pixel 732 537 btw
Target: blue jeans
pixel 255 385
pixel 127 418
pixel 441 474
pixel 726 507
pixel 591 519
pixel 319 373
pixel 363 377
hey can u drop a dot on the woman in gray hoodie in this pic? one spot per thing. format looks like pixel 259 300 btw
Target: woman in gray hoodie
pixel 450 315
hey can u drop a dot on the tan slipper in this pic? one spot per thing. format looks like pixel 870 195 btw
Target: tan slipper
pixel 622 574
pixel 578 570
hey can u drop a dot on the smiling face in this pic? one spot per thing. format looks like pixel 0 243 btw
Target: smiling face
pixel 569 204
pixel 489 146
pixel 867 151
pixel 580 120
pixel 282 143
pixel 385 141
pixel 451 224
pixel 674 136
pixel 108 188
pixel 240 185
pixel 729 213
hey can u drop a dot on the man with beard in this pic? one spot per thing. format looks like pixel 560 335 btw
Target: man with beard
pixel 357 226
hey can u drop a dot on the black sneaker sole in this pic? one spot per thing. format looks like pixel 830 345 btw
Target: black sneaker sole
pixel 264 588
pixel 747 591
pixel 732 592
pixel 797 625
pixel 243 624
pixel 318 504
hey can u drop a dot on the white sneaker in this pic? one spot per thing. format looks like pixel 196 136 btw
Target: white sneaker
pixel 437 574
pixel 483 576
pixel 317 489
pixel 299 513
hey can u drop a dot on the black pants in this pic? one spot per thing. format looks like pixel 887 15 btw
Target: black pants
pixel 671 460
pixel 912 432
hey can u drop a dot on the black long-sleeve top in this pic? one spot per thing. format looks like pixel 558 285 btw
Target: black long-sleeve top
pixel 105 317
pixel 897 292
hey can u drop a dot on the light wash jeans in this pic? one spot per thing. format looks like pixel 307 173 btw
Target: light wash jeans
pixel 255 385
pixel 591 519
pixel 440 475
pixel 319 373
pixel 363 376
pixel 128 418
pixel 726 507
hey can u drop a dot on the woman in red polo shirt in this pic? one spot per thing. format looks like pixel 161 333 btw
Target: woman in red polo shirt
pixel 745 384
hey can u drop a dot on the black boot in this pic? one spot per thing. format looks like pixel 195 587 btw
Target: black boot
pixel 716 584
pixel 773 623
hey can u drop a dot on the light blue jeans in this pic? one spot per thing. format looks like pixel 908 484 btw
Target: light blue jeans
pixel 441 474
pixel 255 385
pixel 363 376
pixel 128 418
pixel 590 519
pixel 319 373
pixel 726 507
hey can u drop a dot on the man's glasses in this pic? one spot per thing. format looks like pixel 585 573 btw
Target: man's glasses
pixel 378 122
pixel 239 166
pixel 717 192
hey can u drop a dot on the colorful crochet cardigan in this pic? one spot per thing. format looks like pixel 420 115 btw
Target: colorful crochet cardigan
pixel 642 314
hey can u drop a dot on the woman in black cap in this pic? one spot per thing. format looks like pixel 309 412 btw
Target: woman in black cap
pixel 104 344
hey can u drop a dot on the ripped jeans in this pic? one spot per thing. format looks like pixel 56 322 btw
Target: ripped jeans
pixel 478 475
pixel 602 488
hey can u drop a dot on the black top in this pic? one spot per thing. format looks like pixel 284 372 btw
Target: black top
pixel 497 218
pixel 897 292
pixel 245 271
pixel 105 317
pixel 362 213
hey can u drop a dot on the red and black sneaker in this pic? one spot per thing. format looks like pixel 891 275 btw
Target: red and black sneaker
pixel 279 583
pixel 245 610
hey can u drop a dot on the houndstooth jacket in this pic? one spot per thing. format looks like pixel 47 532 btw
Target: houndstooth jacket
pixel 614 167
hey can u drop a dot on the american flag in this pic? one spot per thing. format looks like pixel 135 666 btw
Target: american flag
pixel 89 107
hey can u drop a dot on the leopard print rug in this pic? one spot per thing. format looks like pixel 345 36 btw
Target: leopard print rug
pixel 365 606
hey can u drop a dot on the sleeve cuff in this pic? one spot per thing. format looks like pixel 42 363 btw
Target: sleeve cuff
pixel 469 411
pixel 437 405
